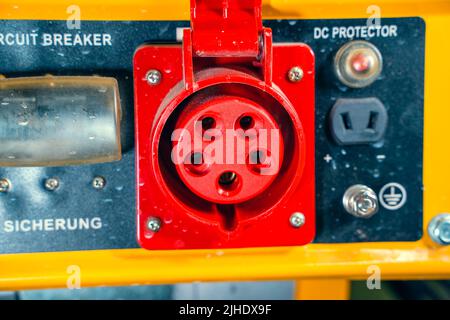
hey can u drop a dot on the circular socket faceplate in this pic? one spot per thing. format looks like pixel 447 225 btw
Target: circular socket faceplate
pixel 228 149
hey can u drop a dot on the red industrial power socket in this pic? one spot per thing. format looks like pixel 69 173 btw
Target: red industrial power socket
pixel 225 135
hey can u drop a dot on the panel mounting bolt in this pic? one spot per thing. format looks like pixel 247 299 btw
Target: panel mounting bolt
pixel 51 184
pixel 4 185
pixel 153 77
pixel 439 229
pixel 153 224
pixel 98 182
pixel 295 74
pixel 360 201
pixel 297 219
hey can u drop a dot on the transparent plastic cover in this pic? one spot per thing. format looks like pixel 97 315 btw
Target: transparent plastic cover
pixel 56 121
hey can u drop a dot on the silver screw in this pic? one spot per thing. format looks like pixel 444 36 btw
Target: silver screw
pixel 153 77
pixel 360 201
pixel 297 219
pixel 154 224
pixel 98 182
pixel 295 74
pixel 439 229
pixel 51 184
pixel 4 185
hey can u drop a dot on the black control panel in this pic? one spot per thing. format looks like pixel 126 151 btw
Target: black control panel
pixel 370 135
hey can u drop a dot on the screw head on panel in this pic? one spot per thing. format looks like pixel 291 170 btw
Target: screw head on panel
pixel 439 229
pixel 297 219
pixel 153 224
pixel 360 201
pixel 5 185
pixel 98 183
pixel 51 184
pixel 295 74
pixel 153 77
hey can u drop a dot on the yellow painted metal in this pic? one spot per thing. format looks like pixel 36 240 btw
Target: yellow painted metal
pixel 322 289
pixel 419 259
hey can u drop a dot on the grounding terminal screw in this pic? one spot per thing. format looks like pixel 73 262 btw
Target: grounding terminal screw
pixel 360 201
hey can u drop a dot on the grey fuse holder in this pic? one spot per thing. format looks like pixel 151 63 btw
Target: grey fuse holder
pixel 58 121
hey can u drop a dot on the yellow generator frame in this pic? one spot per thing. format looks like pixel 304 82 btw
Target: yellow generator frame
pixel 315 265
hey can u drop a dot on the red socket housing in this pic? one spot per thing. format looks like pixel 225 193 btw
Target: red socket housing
pixel 228 87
